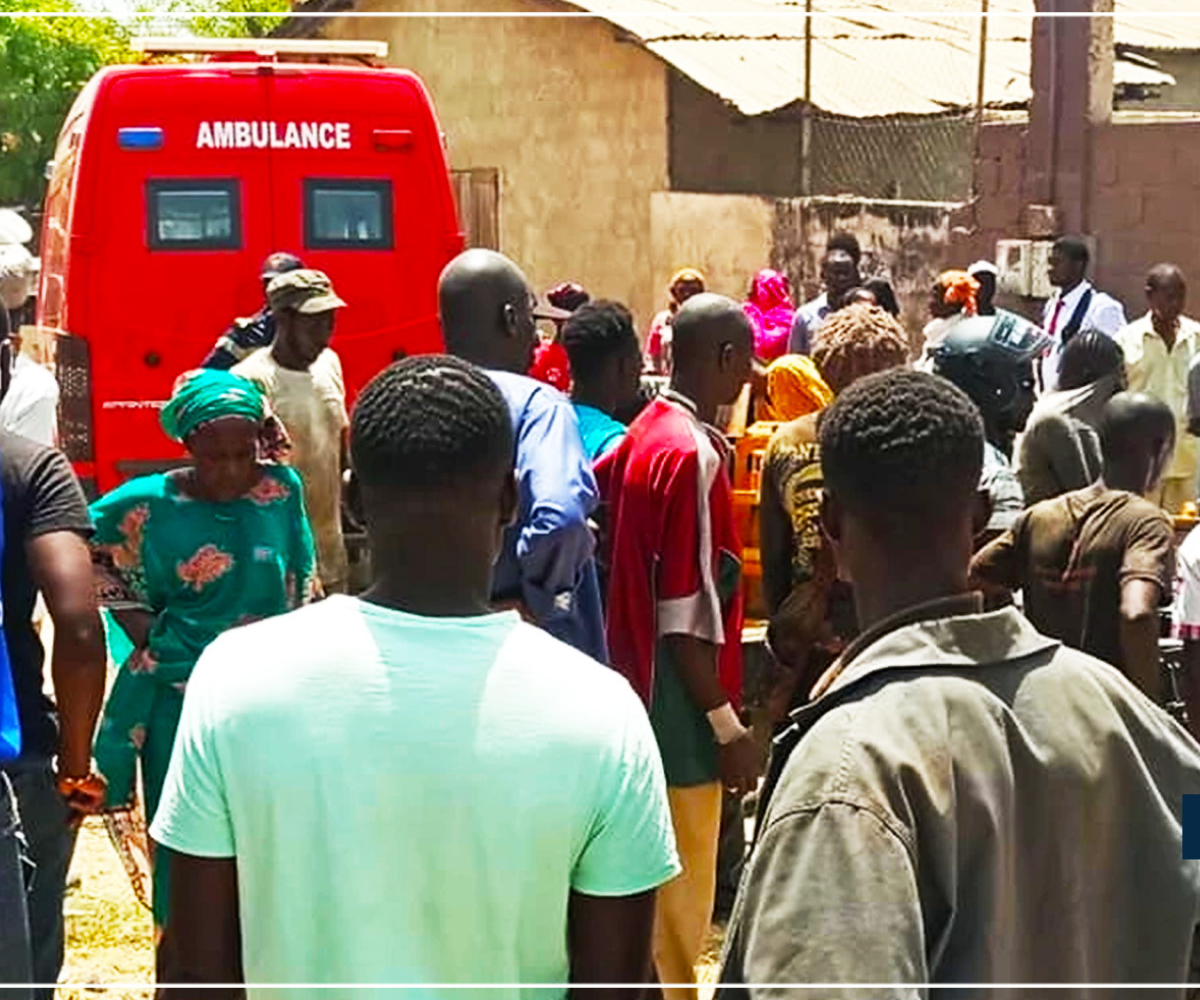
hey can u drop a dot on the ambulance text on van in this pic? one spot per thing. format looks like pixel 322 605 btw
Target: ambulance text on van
pixel 273 135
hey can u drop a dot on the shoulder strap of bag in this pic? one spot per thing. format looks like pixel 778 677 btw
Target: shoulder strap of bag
pixel 1077 317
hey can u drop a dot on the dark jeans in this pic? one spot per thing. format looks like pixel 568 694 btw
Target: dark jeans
pixel 15 961
pixel 51 844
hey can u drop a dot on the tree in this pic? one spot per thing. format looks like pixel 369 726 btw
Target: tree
pixel 44 62
pixel 259 17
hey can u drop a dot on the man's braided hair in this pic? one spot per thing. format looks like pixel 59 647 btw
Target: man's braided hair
pixel 900 446
pixel 856 341
pixel 430 421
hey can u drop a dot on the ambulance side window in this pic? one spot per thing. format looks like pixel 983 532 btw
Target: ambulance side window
pixel 347 214
pixel 193 215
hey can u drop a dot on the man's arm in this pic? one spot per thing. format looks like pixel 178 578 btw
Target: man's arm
pixel 1110 317
pixel 996 569
pixel 1138 634
pixel 1147 573
pixel 696 662
pixel 775 540
pixel 61 565
pixel 841 868
pixel 608 939
pixel 203 938
pixel 553 471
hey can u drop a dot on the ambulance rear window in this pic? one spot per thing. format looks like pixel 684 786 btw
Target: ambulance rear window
pixel 193 215
pixel 347 215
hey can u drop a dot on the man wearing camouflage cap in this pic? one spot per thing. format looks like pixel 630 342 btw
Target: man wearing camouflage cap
pixel 249 333
pixel 302 379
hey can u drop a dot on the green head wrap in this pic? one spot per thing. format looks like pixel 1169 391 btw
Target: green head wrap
pixel 205 395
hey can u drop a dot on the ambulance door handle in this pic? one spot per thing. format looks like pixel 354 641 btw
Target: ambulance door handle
pixel 392 138
pixel 152 359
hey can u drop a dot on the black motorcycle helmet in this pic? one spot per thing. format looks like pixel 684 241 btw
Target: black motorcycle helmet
pixel 991 359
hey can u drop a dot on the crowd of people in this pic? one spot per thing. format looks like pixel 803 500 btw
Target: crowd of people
pixel 508 759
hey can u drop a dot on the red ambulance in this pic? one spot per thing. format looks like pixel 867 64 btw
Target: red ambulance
pixel 172 182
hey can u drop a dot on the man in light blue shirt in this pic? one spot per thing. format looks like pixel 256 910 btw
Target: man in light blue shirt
pixel 605 364
pixel 409 787
pixel 546 567
pixel 839 274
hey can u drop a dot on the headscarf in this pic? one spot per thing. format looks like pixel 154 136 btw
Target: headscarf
pixel 959 289
pixel 199 397
pixel 680 282
pixel 794 388
pixel 770 311
pixel 570 295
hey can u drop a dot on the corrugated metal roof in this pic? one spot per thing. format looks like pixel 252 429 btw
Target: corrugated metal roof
pixel 870 59
pixel 888 57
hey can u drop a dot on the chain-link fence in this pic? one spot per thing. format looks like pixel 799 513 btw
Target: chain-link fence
pixel 911 157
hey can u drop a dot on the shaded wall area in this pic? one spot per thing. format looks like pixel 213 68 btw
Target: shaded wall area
pixel 731 236
pixel 716 149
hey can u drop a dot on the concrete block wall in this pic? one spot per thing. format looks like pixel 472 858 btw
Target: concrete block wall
pixel 1144 202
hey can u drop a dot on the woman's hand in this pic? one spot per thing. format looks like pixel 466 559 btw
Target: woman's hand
pixel 84 795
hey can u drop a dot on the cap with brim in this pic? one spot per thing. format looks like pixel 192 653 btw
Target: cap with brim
pixel 982 267
pixel 320 304
pixel 543 310
pixel 305 291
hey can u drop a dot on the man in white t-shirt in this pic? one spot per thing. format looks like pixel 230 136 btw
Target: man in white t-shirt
pixel 408 787
pixel 1075 307
pixel 29 406
pixel 302 379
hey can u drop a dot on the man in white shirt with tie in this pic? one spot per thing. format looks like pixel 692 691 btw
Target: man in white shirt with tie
pixel 1075 306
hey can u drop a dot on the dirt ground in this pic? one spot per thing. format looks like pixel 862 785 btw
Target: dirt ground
pixel 110 935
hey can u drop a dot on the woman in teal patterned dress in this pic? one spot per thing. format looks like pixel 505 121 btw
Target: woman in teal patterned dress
pixel 185 555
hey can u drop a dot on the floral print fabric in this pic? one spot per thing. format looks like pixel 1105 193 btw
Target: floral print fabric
pixel 200 569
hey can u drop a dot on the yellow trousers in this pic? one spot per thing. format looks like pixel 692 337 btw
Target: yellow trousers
pixel 685 904
pixel 1172 494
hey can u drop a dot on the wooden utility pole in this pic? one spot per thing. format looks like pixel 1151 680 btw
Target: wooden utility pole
pixel 806 110
pixel 979 96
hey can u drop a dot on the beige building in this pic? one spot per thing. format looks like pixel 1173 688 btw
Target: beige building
pixel 614 148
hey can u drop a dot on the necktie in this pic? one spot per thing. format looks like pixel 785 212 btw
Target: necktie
pixel 1058 307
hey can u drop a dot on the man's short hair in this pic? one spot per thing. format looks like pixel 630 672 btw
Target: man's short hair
pixel 856 341
pixel 596 332
pixel 1133 424
pixel 1073 248
pixel 430 421
pixel 847 242
pixel 900 447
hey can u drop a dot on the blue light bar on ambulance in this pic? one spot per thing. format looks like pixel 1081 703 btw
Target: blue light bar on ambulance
pixel 140 138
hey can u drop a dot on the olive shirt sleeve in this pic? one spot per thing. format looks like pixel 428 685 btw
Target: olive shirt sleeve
pixel 1001 562
pixel 1150 551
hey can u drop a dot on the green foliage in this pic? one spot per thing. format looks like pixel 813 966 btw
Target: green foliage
pixel 43 64
pixel 260 17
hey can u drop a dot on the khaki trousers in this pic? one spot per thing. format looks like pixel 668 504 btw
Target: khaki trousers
pixel 683 916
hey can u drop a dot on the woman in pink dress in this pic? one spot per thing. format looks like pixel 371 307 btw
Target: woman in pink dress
pixel 770 310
